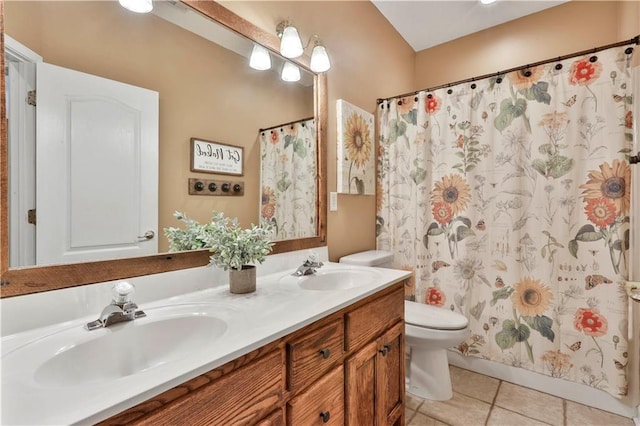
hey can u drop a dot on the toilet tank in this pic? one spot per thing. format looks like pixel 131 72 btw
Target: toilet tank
pixel 377 258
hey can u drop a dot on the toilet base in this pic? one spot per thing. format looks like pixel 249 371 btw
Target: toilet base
pixel 428 374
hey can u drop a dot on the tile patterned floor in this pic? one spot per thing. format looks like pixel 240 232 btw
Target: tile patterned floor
pixel 485 401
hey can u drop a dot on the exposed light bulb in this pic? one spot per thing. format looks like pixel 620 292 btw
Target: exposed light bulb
pixel 291 45
pixel 290 72
pixel 137 6
pixel 319 59
pixel 487 1
pixel 260 58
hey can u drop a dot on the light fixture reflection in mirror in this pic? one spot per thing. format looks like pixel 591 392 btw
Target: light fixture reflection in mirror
pixel 260 59
pixel 137 6
pixel 290 72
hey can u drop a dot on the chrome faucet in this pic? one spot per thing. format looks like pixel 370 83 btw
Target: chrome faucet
pixel 120 309
pixel 309 266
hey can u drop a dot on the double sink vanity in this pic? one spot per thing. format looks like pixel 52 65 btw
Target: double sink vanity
pixel 326 348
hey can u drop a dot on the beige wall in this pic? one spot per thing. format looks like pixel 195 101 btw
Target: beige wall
pixel 560 30
pixel 205 91
pixel 369 59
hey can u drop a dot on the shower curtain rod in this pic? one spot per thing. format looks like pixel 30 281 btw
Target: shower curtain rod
pixel 286 124
pixel 635 40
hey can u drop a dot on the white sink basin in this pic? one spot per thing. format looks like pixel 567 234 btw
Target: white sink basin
pixel 76 356
pixel 334 279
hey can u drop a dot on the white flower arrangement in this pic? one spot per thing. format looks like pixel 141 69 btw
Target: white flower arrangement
pixel 230 245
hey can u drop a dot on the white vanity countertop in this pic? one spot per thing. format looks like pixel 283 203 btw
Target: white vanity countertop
pixel 278 307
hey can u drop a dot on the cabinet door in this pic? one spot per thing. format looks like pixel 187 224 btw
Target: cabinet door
pixel 360 386
pixel 390 376
pixel 375 381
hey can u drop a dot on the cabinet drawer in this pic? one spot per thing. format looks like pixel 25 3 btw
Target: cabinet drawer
pixel 321 404
pixel 274 419
pixel 314 354
pixel 370 320
pixel 241 397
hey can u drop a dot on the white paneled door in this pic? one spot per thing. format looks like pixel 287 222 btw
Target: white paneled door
pixel 97 167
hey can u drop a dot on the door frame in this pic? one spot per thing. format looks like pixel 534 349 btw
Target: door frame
pixel 20 73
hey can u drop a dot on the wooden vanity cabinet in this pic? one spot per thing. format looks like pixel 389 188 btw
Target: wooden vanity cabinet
pixel 344 369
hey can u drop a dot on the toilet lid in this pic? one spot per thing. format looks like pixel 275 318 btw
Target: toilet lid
pixel 428 316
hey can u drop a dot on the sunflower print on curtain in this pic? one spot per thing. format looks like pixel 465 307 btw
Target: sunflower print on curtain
pixel 288 169
pixel 509 198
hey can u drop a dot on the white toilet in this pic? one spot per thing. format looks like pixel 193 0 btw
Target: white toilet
pixel 429 331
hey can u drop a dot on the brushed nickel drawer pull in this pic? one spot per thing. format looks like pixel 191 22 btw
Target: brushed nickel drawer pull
pixel 325 353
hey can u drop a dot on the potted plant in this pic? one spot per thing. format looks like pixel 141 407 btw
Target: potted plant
pixel 232 248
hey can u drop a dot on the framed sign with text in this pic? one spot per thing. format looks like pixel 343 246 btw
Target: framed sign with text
pixel 215 157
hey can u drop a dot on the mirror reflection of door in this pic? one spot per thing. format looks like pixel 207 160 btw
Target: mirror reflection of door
pixel 96 150
pixel 20 78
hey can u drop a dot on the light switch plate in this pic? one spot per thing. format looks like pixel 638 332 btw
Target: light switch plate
pixel 333 201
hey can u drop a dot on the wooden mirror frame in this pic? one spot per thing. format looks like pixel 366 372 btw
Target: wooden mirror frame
pixel 27 280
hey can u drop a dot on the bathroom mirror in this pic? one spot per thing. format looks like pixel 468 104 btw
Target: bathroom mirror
pixel 24 280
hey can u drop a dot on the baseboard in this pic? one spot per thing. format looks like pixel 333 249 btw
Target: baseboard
pixel 558 387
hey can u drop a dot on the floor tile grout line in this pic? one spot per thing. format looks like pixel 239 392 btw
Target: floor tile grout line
pixel 524 415
pixel 493 403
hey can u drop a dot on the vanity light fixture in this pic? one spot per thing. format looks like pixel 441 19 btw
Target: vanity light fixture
pixel 319 58
pixel 137 6
pixel 291 47
pixel 290 43
pixel 260 58
pixel 290 72
pixel 487 1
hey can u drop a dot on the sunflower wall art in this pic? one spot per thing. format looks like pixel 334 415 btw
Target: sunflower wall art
pixel 356 166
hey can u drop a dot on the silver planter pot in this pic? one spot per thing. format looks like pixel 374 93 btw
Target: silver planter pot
pixel 242 280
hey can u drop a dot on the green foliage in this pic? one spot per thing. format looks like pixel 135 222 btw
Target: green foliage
pixel 397 128
pixel 542 324
pixel 538 92
pixel 511 334
pixel 230 245
pixel 554 166
pixel 503 293
pixel 508 112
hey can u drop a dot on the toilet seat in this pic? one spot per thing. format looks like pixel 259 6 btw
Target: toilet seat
pixel 432 317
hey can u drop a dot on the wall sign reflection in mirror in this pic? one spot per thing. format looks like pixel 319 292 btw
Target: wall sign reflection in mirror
pixel 215 157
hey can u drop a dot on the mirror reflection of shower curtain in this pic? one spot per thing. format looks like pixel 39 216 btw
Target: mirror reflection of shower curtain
pixel 509 198
pixel 288 172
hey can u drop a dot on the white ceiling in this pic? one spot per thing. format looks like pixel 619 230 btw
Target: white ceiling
pixel 427 23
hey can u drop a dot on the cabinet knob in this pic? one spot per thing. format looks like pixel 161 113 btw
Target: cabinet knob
pixel 325 353
pixel 325 416
pixel 385 349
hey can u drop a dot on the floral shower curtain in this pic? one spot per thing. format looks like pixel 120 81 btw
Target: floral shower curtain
pixel 509 198
pixel 288 179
